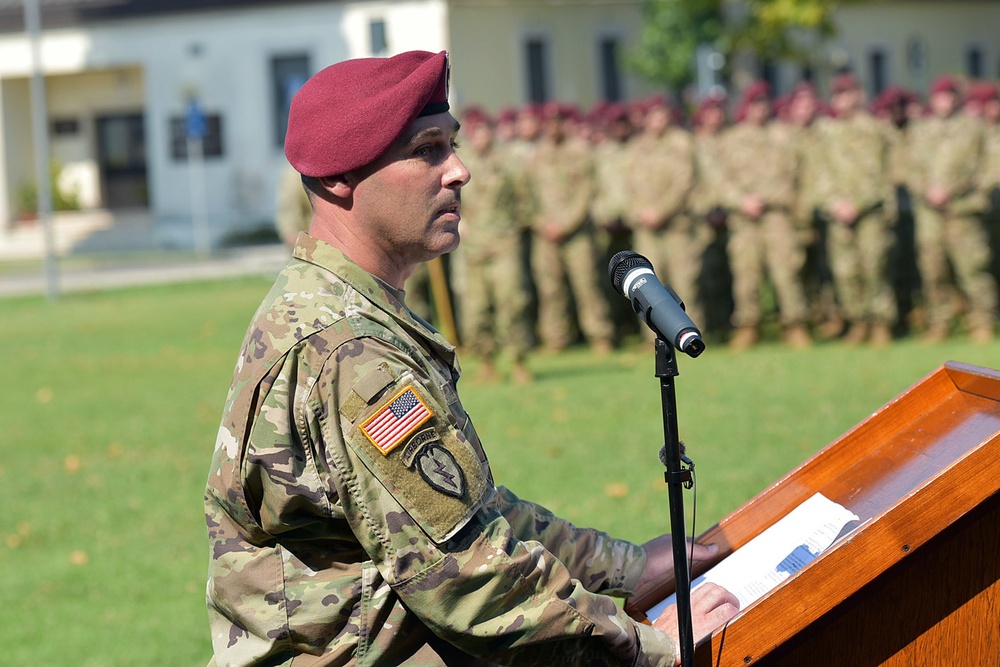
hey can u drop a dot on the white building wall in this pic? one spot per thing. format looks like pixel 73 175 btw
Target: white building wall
pixel 225 57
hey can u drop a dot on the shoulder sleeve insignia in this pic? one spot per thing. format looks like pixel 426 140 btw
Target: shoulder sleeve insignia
pixel 439 469
pixel 396 421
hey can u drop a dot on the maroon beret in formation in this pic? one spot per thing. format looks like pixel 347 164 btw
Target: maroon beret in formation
pixel 756 92
pixel 348 114
pixel 944 84
pixel 844 82
pixel 983 92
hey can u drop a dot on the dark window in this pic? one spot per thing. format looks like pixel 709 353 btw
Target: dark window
pixel 879 71
pixel 211 142
pixel 974 62
pixel 288 73
pixel 537 58
pixel 379 41
pixel 65 127
pixel 610 73
pixel 769 73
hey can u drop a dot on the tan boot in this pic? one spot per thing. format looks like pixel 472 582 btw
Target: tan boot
pixel 743 338
pixel 937 333
pixel 881 335
pixel 830 329
pixel 520 374
pixel 798 337
pixel 487 373
pixel 602 347
pixel 981 334
pixel 857 334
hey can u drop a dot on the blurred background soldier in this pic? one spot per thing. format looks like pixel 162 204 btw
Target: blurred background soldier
pixel 294 210
pixel 610 135
pixel 706 206
pixel 891 108
pixel 762 234
pixel 491 285
pixel 563 252
pixel 945 159
pixel 801 113
pixel 858 204
pixel 660 164
pixel 989 96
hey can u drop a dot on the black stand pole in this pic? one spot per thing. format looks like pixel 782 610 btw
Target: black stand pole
pixel 676 478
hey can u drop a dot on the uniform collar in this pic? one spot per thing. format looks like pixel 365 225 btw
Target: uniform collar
pixel 382 296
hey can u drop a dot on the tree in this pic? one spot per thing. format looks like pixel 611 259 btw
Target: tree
pixel 674 29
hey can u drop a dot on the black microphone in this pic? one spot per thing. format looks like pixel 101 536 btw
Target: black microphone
pixel 658 305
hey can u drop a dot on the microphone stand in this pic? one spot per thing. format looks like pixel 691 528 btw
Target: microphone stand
pixel 677 478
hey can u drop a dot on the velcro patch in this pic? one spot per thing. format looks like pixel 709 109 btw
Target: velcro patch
pixel 396 420
pixel 439 469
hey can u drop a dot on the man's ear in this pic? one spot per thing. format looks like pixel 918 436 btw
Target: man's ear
pixel 340 186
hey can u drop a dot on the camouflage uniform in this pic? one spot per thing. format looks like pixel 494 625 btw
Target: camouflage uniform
pixel 990 179
pixel 562 175
pixel 706 204
pixel 294 210
pixel 856 154
pixel 338 539
pixel 493 287
pixel 947 152
pixel 608 211
pixel 763 163
pixel 660 179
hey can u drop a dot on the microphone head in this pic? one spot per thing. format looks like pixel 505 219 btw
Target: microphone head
pixel 621 264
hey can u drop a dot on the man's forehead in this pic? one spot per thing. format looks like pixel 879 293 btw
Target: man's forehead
pixel 440 123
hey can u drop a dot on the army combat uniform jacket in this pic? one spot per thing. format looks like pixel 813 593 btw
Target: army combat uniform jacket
pixel 353 517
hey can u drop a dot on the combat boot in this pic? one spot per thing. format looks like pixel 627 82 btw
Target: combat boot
pixel 881 335
pixel 743 338
pixel 798 337
pixel 857 334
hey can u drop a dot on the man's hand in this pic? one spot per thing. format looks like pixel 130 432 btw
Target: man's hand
pixel 938 196
pixel 711 606
pixel 752 207
pixel 845 212
pixel 660 561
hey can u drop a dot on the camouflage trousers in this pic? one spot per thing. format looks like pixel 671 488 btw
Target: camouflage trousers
pixel 677 253
pixel 494 298
pixel 772 245
pixel 954 244
pixel 574 263
pixel 859 261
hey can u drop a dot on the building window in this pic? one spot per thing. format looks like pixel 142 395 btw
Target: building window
pixel 974 62
pixel 878 65
pixel 379 40
pixel 769 73
pixel 536 51
pixel 611 79
pixel 288 73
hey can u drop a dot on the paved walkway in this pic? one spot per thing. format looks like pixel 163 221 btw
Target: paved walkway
pixel 100 251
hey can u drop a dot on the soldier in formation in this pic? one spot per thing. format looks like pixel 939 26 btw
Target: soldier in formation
pixel 860 220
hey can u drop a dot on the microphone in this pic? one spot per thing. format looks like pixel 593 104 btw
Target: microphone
pixel 658 305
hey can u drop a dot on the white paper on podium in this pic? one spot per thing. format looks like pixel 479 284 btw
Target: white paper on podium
pixel 777 553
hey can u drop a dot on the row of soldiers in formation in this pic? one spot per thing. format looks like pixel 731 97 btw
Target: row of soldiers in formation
pixel 852 214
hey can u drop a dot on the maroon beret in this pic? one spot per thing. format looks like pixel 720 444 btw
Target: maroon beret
pixel 844 82
pixel 756 92
pixel 983 92
pixel 944 84
pixel 348 114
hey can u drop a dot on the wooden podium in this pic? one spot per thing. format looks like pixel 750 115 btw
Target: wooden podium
pixel 918 581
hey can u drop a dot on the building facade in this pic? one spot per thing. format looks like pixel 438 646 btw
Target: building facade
pixel 177 107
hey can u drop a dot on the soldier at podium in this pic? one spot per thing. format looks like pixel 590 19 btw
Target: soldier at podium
pixel 351 509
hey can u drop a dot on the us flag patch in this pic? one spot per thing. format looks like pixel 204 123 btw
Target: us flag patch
pixel 395 422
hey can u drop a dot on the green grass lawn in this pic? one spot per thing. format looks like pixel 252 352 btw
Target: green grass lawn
pixel 111 403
